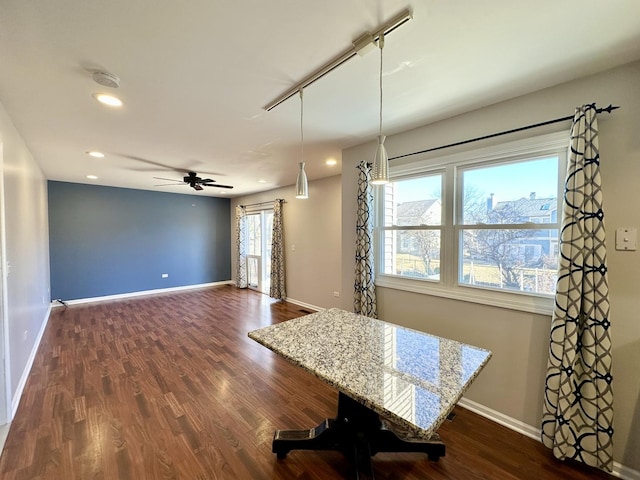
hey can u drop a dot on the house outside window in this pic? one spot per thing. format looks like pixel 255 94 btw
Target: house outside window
pixel 413 227
pixel 481 226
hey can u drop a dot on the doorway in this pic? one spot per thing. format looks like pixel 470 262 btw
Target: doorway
pixel 259 235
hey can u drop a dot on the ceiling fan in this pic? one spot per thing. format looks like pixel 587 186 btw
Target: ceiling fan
pixel 194 181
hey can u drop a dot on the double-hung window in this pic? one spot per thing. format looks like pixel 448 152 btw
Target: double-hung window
pixel 480 226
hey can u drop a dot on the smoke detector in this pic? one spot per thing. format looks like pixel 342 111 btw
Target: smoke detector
pixel 105 78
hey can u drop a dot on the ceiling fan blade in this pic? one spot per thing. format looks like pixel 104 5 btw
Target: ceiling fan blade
pixel 167 179
pixel 207 180
pixel 154 163
pixel 217 185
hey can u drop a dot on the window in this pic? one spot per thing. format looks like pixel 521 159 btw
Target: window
pixel 481 226
pixel 412 227
pixel 505 242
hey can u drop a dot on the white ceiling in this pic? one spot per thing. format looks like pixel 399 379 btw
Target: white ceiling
pixel 196 74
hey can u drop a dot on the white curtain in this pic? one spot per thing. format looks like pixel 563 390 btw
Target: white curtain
pixel 276 289
pixel 364 299
pixel 241 246
pixel 578 405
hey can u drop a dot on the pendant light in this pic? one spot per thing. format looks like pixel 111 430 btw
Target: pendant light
pixel 380 171
pixel 302 185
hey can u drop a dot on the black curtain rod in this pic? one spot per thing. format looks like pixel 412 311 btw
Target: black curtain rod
pixel 608 109
pixel 262 203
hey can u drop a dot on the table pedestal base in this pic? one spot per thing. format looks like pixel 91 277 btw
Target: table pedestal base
pixel 358 432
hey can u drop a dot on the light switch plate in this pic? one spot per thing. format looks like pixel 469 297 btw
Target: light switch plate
pixel 627 239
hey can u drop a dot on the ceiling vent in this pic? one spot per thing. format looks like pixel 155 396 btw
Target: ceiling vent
pixel 106 79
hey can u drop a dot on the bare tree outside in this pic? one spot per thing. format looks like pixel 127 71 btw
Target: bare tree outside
pixel 476 205
pixel 511 250
pixel 427 244
pixel 500 246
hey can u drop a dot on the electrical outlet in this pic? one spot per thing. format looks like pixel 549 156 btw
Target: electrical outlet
pixel 336 294
pixel 165 275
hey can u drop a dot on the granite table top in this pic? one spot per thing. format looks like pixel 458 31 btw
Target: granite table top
pixel 410 378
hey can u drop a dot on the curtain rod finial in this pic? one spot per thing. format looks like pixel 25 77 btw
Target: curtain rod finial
pixel 608 109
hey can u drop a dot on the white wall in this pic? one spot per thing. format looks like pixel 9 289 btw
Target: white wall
pixel 513 381
pixel 313 225
pixel 26 266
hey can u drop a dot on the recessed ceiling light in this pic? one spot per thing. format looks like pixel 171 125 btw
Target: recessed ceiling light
pixel 331 162
pixel 92 177
pixel 262 181
pixel 109 100
pixel 96 154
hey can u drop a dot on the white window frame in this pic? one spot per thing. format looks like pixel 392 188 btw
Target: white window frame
pixel 448 286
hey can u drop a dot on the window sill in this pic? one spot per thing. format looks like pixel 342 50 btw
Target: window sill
pixel 511 300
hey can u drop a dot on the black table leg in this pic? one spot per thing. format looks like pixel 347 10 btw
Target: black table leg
pixel 358 432
pixel 362 459
pixel 322 437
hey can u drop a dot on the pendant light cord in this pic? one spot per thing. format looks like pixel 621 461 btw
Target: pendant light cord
pixel 301 129
pixel 381 45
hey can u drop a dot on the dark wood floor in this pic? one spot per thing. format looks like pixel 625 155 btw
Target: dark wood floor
pixel 170 387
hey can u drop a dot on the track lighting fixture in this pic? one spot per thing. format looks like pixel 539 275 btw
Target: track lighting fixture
pixel 302 184
pixel 380 170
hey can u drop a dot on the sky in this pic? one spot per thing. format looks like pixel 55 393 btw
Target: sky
pixel 508 181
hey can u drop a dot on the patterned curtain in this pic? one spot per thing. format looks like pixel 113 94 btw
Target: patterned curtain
pixel 241 246
pixel 277 290
pixel 577 418
pixel 364 299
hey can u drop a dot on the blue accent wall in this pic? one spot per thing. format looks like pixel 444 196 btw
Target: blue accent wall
pixel 108 241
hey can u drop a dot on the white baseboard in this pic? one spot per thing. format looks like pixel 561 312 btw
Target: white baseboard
pixel 502 419
pixel 141 293
pixel 303 304
pixel 17 395
pixel 4 432
pixel 619 470
pixel 627 473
